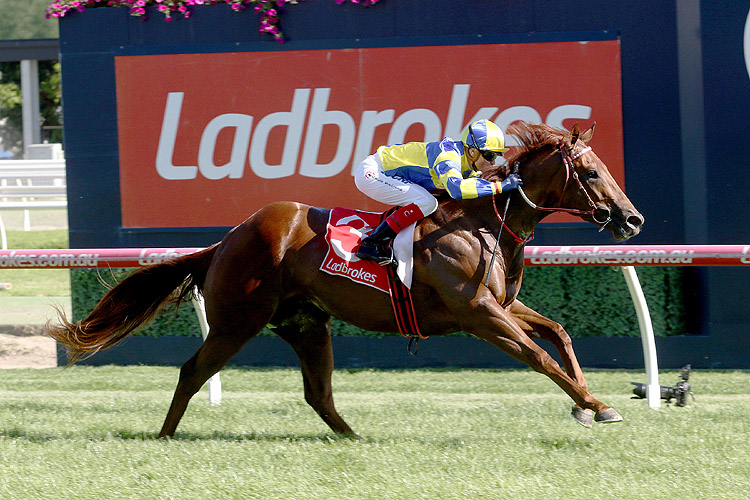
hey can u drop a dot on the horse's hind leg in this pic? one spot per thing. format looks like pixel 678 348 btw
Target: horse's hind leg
pixel 233 320
pixel 215 352
pixel 309 334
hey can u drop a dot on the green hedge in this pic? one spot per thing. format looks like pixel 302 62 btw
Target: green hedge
pixel 587 301
pixel 595 301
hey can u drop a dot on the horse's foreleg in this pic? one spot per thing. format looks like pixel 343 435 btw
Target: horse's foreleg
pixel 497 326
pixel 531 321
pixel 312 343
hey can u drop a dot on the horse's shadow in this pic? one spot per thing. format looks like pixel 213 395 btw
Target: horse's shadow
pixel 261 437
pixel 130 435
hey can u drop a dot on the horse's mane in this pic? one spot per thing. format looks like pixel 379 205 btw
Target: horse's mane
pixel 532 139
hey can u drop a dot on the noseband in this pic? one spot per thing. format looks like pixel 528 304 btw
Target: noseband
pixel 570 171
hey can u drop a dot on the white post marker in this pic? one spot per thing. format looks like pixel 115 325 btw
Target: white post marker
pixel 653 389
pixel 3 235
pixel 214 383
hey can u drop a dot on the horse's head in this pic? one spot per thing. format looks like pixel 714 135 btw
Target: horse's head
pixel 561 173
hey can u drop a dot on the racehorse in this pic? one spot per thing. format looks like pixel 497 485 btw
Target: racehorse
pixel 266 272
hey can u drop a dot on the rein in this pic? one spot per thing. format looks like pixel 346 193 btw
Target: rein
pixel 515 237
pixel 570 171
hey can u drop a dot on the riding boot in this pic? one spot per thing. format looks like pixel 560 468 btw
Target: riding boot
pixel 374 246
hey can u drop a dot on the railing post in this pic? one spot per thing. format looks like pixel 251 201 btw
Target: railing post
pixel 653 389
pixel 214 383
pixel 3 235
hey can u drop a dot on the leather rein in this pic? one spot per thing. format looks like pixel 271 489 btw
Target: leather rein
pixel 570 172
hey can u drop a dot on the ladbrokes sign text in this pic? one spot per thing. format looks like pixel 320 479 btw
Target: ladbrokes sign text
pixel 207 139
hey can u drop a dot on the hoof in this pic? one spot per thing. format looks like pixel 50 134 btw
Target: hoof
pixel 583 417
pixel 607 416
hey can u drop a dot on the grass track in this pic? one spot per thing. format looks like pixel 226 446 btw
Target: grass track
pixel 88 432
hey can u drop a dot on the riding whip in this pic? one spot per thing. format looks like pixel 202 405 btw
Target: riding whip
pixel 514 170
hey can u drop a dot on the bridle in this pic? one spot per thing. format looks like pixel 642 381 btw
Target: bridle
pixel 570 172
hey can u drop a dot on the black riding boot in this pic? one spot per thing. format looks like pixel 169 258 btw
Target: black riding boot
pixel 374 246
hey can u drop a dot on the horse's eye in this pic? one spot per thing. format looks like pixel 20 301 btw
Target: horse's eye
pixel 592 174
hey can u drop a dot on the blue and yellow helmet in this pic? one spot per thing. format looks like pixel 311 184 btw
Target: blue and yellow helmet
pixel 484 136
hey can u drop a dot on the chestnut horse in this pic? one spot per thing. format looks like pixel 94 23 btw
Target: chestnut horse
pixel 266 272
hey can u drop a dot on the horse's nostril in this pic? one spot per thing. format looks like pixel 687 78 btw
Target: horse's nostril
pixel 635 220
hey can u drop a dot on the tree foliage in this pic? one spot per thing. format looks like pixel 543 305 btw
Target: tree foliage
pixel 11 119
pixel 24 19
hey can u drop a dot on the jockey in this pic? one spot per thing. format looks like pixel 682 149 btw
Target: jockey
pixel 408 174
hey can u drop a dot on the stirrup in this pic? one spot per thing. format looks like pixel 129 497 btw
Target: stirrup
pixel 390 259
pixel 374 253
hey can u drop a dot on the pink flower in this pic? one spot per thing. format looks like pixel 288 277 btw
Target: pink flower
pixel 266 9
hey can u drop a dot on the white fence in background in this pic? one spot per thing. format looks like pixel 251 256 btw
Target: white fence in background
pixel 29 185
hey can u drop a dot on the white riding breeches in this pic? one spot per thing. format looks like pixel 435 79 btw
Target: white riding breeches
pixel 370 178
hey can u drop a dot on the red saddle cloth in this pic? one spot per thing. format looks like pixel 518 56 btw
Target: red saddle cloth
pixel 346 229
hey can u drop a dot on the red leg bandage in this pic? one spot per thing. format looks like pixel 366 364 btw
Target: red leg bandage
pixel 404 217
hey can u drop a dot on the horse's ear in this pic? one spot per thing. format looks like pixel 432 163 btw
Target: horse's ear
pixel 574 135
pixel 586 136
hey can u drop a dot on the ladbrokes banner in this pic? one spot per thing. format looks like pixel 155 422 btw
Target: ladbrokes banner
pixel 207 139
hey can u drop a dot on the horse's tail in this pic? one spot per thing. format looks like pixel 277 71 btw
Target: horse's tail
pixel 132 303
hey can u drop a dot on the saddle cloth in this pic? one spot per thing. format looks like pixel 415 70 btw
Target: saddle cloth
pixel 345 230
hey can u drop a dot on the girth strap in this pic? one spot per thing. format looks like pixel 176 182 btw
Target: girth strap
pixel 403 306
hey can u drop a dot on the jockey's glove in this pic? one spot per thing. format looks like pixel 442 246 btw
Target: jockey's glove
pixel 510 182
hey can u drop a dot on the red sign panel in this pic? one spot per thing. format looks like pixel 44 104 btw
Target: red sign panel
pixel 207 139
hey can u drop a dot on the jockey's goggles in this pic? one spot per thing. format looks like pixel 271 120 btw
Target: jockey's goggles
pixel 489 155
pixel 486 154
